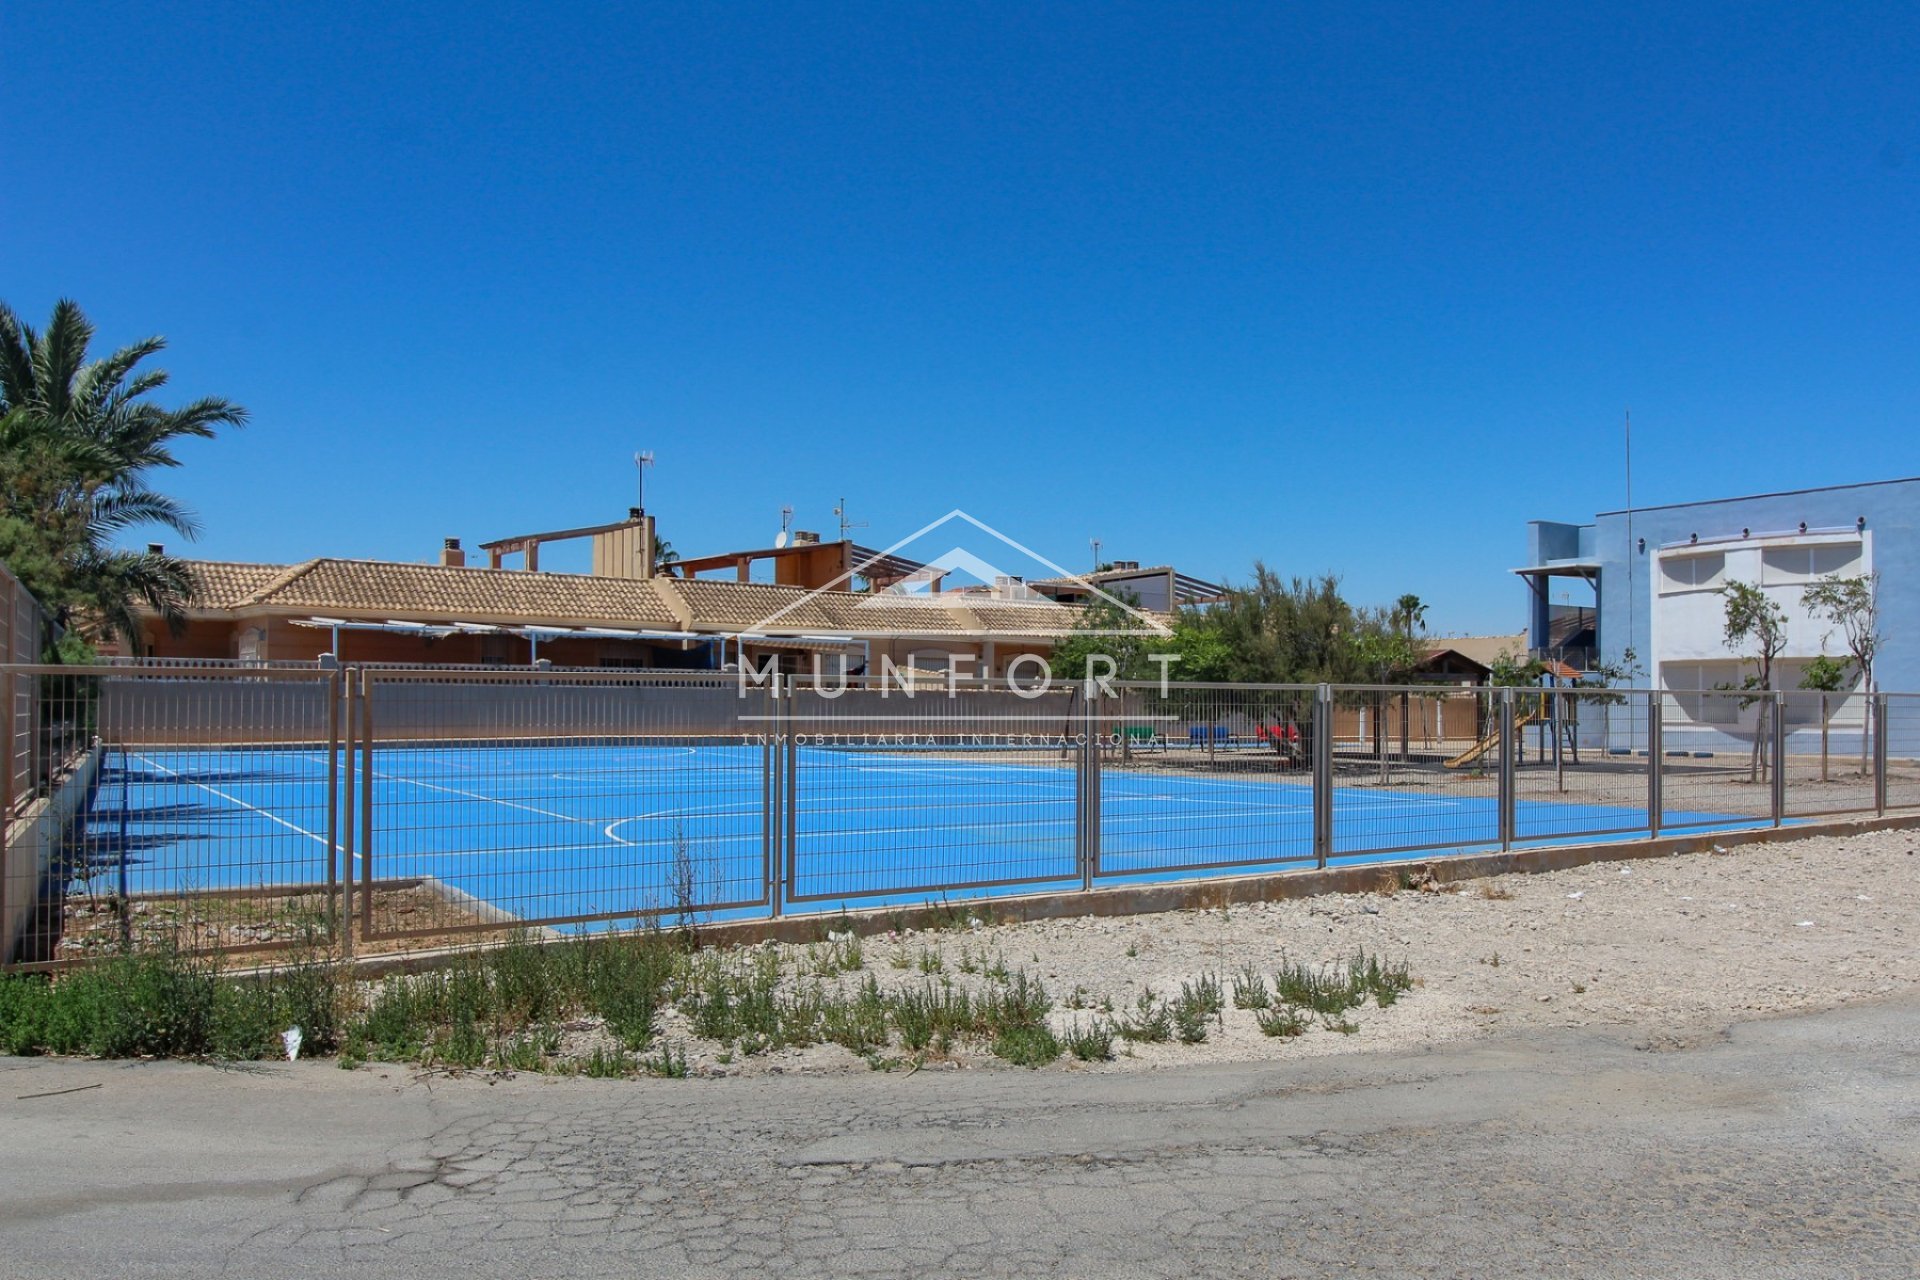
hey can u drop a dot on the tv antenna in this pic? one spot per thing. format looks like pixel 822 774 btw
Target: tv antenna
pixel 1095 544
pixel 786 523
pixel 641 461
pixel 846 524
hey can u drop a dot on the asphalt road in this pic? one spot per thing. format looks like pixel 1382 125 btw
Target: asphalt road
pixel 1788 1148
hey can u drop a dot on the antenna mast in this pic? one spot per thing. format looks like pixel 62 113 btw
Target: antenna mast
pixel 1632 546
pixel 846 524
pixel 641 461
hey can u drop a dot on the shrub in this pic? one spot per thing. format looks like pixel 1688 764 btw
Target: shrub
pixel 1026 1046
pixel 1094 1043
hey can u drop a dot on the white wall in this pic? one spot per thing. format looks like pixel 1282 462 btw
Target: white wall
pixel 1689 611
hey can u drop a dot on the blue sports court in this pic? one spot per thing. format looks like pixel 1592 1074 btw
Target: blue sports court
pixel 556 833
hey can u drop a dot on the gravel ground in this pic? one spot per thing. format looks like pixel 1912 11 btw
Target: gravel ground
pixel 1674 948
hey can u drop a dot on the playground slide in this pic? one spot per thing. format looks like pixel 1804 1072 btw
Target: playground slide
pixel 1492 740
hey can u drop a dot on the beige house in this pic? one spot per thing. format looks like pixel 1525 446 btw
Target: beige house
pixel 374 611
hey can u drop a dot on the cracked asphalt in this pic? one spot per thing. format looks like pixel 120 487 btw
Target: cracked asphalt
pixel 1783 1148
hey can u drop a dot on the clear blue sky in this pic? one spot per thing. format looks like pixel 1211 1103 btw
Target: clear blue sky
pixel 1346 288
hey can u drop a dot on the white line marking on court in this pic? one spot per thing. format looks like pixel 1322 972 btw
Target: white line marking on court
pixel 729 809
pixel 251 808
pixel 474 795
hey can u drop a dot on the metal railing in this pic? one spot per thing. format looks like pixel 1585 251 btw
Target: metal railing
pixel 240 809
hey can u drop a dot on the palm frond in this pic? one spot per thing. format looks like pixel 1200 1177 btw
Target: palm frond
pixel 116 510
pixel 16 360
pixel 59 355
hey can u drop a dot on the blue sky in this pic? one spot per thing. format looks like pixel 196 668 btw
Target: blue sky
pixel 1351 288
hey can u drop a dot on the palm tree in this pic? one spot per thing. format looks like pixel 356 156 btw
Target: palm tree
pixel 664 555
pixel 77 437
pixel 1409 614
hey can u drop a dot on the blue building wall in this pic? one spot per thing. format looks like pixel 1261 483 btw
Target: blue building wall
pixel 1624 547
pixel 1890 508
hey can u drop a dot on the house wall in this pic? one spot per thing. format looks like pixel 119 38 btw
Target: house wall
pixel 203 638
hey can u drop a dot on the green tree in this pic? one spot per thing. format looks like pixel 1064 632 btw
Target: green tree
pixel 1853 605
pixel 79 437
pixel 1288 631
pixel 1108 629
pixel 1825 675
pixel 1756 628
pixel 1384 653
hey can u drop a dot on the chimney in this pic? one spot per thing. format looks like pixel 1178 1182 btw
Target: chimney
pixel 156 548
pixel 802 538
pixel 451 556
pixel 634 513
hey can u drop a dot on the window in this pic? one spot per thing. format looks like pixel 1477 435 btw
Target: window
pixel 1701 691
pixel 1804 563
pixel 1697 572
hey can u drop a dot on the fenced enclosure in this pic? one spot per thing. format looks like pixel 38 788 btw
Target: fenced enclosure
pixel 253 810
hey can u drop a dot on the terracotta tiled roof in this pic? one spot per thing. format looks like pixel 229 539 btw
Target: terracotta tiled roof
pixel 1483 649
pixel 746 604
pixel 437 593
pixel 219 584
pixel 1041 618
pixel 434 592
pixel 885 611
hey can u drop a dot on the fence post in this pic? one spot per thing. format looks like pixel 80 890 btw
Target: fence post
pixel 1877 709
pixel 1656 799
pixel 789 793
pixel 333 805
pixel 367 686
pixel 1505 769
pixel 1322 774
pixel 1087 793
pixel 348 816
pixel 1777 707
pixel 769 722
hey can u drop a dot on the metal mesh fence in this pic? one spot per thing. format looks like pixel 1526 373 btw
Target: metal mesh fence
pixel 903 788
pixel 242 809
pixel 24 632
pixel 198 811
pixel 1581 767
pixel 1397 789
pixel 1827 753
pixel 1198 776
pixel 1716 759
pixel 550 798
pixel 1900 715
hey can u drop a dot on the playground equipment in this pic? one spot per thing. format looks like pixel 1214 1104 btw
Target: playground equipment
pixel 1539 711
pixel 1492 740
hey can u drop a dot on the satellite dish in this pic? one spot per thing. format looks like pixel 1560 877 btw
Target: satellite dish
pixel 780 540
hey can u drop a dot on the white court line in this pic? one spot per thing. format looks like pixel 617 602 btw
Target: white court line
pixel 475 795
pixel 728 809
pixel 236 800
